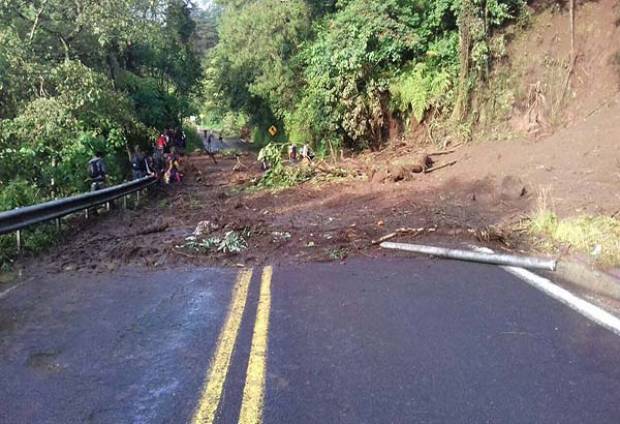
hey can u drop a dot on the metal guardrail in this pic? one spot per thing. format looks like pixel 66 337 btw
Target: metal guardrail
pixel 20 218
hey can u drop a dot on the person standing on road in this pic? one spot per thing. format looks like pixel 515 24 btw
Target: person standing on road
pixel 161 143
pixel 206 142
pixel 139 165
pixel 174 173
pixel 306 153
pixel 292 153
pixel 181 141
pixel 159 161
pixel 210 142
pixel 97 172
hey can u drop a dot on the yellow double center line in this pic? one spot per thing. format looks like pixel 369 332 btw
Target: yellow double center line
pixel 253 392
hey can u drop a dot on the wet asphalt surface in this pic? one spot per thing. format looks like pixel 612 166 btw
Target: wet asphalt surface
pixel 372 341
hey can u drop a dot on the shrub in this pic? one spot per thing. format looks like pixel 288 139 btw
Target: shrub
pixel 18 193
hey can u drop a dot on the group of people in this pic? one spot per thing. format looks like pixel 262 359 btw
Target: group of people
pixel 306 153
pixel 164 162
pixel 167 152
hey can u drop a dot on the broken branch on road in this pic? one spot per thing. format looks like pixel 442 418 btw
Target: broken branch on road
pixel 436 168
pixel 399 232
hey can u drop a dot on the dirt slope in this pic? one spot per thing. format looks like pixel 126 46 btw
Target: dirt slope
pixel 578 166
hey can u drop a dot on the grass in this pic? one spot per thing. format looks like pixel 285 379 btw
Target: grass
pixel 596 236
pixel 34 240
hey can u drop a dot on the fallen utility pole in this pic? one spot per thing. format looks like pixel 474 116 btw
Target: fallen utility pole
pixel 472 256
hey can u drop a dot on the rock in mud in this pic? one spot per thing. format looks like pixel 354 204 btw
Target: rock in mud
pixel 403 170
pixel 512 188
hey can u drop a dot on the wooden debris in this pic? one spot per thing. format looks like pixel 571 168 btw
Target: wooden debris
pixel 436 168
pixel 157 228
pixel 399 232
pixel 444 152
pixel 239 166
pixel 491 234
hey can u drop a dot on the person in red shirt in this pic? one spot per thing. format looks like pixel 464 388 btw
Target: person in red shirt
pixel 161 143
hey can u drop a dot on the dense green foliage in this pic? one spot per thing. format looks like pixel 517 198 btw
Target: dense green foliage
pixel 88 75
pixel 335 72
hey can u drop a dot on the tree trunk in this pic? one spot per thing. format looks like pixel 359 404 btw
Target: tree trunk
pixel 465 46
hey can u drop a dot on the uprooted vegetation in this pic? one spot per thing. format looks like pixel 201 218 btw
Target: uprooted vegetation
pixel 281 174
pixel 230 243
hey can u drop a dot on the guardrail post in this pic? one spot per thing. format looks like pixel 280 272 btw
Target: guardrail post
pixel 86 213
pixel 58 224
pixel 108 206
pixel 137 198
pixel 124 202
pixel 18 236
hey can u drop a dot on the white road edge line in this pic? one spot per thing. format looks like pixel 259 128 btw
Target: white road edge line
pixel 585 308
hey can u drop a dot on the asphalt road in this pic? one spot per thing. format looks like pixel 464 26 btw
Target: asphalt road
pixel 372 341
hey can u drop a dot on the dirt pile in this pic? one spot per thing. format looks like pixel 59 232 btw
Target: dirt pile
pixel 326 221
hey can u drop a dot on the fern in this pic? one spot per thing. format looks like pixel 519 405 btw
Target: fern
pixel 419 90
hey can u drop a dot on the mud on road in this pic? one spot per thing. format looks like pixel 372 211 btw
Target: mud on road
pixel 315 221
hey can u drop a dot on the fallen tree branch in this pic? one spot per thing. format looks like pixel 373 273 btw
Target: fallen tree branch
pixel 399 232
pixel 454 148
pixel 240 165
pixel 158 228
pixel 445 152
pixel 436 168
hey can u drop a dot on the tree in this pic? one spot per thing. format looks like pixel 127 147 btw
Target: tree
pixel 329 70
pixel 88 74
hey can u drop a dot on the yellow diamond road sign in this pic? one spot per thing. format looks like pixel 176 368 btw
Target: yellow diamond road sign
pixel 273 131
